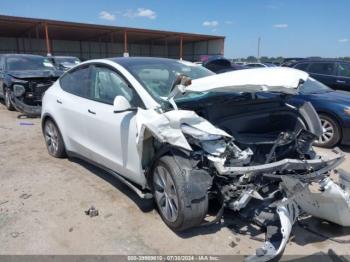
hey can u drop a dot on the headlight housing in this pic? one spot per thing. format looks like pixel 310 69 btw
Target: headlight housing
pixel 18 90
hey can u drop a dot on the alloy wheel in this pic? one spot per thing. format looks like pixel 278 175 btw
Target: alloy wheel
pixel 51 137
pixel 165 193
pixel 328 131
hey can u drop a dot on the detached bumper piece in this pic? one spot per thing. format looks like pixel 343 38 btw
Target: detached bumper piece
pixel 330 201
pixel 278 233
pixel 320 197
pixel 28 110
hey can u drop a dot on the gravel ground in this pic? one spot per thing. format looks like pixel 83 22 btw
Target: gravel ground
pixel 42 204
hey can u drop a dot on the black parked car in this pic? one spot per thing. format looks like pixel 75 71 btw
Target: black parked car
pixel 64 62
pixel 220 65
pixel 333 73
pixel 23 81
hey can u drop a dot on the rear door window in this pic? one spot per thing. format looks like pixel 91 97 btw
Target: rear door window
pixel 77 82
pixel 323 68
pixel 344 69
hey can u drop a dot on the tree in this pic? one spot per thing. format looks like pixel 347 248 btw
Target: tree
pixel 251 59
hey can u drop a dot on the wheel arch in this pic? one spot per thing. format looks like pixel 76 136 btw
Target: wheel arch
pixel 48 116
pixel 164 149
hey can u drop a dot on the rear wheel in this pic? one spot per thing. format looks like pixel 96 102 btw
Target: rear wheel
pixel 331 132
pixel 7 98
pixel 53 139
pixel 172 198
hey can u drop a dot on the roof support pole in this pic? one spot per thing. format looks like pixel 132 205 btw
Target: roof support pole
pixel 166 49
pixel 23 45
pixel 48 49
pixel 17 45
pixel 125 43
pixel 80 51
pixel 181 39
pixel 37 31
pixel 30 41
pixel 193 55
pixel 223 47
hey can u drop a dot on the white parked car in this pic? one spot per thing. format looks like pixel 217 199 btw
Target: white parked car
pixel 174 131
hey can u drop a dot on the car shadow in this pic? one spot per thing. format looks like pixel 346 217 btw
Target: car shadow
pixel 329 256
pixel 145 205
pixel 312 230
pixel 232 220
pixel 308 231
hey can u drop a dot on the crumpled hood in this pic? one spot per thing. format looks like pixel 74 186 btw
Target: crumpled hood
pixel 280 79
pixel 23 74
pixel 166 127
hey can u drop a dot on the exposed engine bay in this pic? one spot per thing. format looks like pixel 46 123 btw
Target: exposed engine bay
pixel 261 166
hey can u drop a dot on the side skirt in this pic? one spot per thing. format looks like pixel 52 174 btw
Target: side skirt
pixel 141 193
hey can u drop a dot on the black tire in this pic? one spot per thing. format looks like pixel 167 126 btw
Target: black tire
pixel 53 139
pixel 188 215
pixel 332 134
pixel 7 100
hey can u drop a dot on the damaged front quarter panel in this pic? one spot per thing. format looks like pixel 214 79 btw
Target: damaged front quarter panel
pixel 266 188
pixel 279 188
pixel 168 127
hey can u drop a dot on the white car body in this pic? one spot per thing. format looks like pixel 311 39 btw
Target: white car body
pixel 118 150
pixel 112 149
pixel 114 137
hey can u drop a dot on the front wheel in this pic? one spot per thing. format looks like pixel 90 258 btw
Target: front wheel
pixel 172 199
pixel 331 132
pixel 53 139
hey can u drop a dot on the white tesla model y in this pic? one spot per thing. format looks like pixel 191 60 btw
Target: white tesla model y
pixel 174 131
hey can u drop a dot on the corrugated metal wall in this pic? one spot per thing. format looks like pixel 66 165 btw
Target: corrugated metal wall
pixel 89 50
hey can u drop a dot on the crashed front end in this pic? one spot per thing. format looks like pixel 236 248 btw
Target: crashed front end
pixel 26 94
pixel 273 195
pixel 265 189
pixel 268 182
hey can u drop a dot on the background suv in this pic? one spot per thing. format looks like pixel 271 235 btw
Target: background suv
pixel 333 73
pixel 23 81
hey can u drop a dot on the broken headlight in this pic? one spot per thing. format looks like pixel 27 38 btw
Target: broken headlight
pixel 18 90
pixel 197 133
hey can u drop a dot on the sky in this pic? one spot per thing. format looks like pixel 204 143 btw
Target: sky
pixel 289 28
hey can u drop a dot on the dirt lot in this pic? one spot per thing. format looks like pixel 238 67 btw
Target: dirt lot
pixel 42 203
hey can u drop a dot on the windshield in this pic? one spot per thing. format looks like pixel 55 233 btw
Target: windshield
pixel 28 63
pixel 312 86
pixel 70 60
pixel 158 76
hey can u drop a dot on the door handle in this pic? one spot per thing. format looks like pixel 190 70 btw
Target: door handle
pixel 91 112
pixel 341 81
pixel 59 101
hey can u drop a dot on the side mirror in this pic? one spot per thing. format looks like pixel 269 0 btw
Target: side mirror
pixel 121 104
